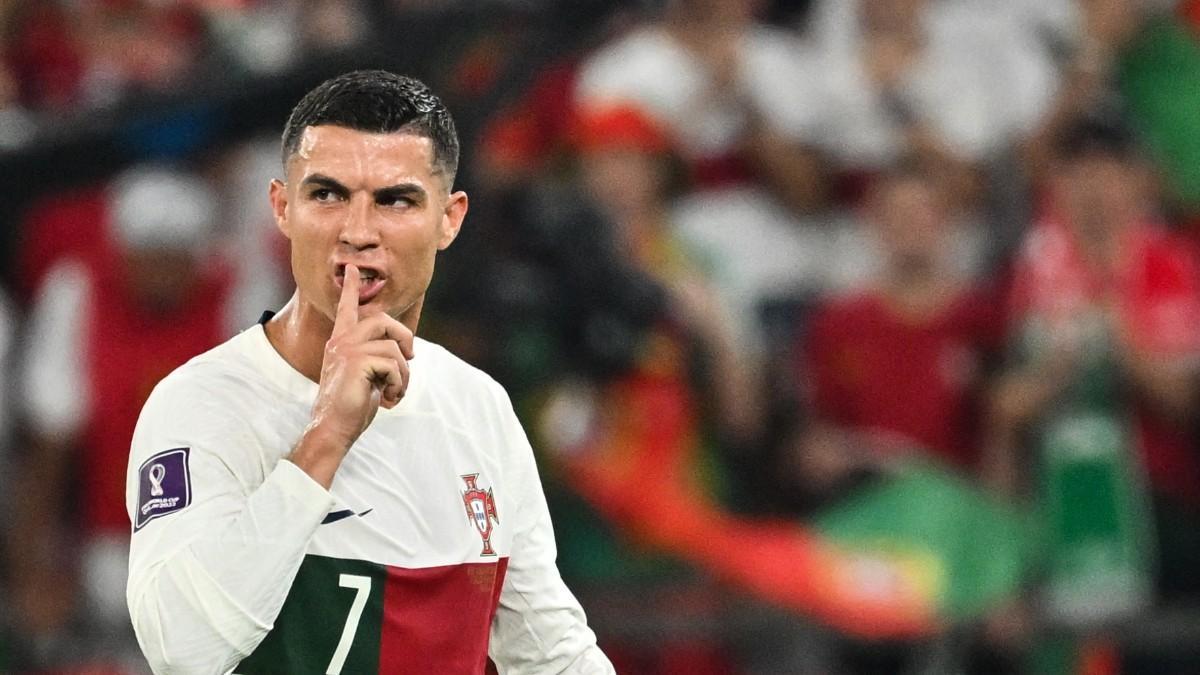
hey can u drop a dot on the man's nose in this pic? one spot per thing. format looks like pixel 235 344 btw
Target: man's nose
pixel 359 229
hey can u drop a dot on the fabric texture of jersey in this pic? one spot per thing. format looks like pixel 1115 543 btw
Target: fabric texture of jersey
pixel 431 552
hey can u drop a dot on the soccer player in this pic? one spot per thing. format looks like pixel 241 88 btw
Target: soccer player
pixel 325 492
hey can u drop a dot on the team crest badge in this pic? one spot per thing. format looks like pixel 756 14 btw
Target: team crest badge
pixel 481 511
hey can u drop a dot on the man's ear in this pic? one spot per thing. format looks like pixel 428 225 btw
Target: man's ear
pixel 279 202
pixel 452 218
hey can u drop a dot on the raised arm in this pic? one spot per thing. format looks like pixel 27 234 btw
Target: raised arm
pixel 219 536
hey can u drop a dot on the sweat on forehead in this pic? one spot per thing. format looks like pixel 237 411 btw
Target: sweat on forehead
pixel 376 101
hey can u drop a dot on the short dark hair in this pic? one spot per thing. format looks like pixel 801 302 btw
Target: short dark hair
pixel 377 101
pixel 1096 134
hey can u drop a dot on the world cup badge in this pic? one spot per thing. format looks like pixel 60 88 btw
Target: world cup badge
pixel 164 486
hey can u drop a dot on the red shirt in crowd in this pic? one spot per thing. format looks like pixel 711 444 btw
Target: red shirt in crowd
pixel 126 349
pixel 1155 291
pixel 907 382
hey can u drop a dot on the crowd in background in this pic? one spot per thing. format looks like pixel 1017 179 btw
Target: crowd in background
pixel 762 278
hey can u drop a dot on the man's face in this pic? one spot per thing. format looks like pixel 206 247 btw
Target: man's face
pixel 1100 195
pixel 374 200
pixel 890 16
pixel 625 182
pixel 910 220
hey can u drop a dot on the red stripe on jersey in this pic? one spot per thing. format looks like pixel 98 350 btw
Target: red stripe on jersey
pixel 437 619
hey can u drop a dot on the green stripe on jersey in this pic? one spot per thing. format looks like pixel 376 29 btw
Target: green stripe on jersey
pixel 330 622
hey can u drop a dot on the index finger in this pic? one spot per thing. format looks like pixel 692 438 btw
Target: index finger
pixel 347 309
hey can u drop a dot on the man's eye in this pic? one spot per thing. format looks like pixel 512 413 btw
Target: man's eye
pixel 395 201
pixel 323 195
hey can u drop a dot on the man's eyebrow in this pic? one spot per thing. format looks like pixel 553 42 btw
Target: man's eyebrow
pixel 411 191
pixel 326 182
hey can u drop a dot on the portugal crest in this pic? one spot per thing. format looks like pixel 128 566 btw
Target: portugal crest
pixel 481 511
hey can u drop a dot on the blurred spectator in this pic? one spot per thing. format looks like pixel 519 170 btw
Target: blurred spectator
pixel 1100 253
pixel 1087 49
pixel 92 54
pixel 1106 319
pixel 265 37
pixel 625 163
pixel 256 37
pixel 523 140
pixel 16 123
pixel 73 224
pixel 727 88
pixel 760 254
pixel 137 46
pixel 44 55
pixel 116 328
pixel 894 369
pixel 721 83
pixel 686 384
pixel 60 58
pixel 253 247
pixel 647 444
pixel 708 75
pixel 1053 23
pixel 683 349
pixel 625 171
pixel 944 81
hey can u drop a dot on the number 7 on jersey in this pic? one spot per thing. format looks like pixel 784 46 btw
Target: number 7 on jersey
pixel 362 588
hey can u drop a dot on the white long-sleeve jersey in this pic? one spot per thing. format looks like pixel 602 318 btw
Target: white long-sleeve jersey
pixel 431 552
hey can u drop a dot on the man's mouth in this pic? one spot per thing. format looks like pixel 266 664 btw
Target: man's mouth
pixel 370 280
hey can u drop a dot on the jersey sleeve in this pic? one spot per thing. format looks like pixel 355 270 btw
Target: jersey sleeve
pixel 539 626
pixel 218 536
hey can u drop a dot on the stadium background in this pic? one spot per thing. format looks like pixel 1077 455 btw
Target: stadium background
pixel 767 281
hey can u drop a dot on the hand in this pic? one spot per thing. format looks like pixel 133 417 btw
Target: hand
pixel 365 366
pixel 822 458
pixel 1017 398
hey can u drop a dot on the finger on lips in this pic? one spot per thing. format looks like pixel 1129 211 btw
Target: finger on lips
pixel 384 344
pixel 347 309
